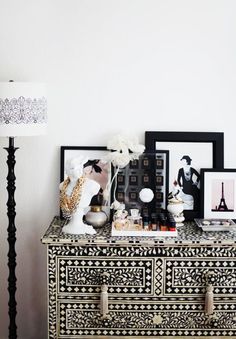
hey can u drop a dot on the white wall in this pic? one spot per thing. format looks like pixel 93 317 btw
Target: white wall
pixel 111 66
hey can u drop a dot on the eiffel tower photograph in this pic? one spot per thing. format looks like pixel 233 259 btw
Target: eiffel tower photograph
pixel 223 205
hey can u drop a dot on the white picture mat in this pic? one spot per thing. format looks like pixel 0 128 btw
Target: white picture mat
pixel 208 178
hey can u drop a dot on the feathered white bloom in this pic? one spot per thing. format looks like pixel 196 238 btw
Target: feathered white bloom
pixel 119 159
pixel 124 149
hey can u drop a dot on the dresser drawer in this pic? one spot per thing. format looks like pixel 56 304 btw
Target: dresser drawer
pixel 144 278
pixel 82 318
pixel 139 291
pixel 126 277
pixel 189 277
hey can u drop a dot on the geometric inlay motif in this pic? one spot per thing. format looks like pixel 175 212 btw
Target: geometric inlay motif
pixel 84 275
pixel 76 318
pixel 190 277
pixel 159 277
pixel 156 287
pixel 188 233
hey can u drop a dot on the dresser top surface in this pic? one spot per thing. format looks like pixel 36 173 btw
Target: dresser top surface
pixel 188 234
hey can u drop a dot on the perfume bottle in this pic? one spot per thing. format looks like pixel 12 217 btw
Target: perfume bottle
pixel 120 219
pixel 135 219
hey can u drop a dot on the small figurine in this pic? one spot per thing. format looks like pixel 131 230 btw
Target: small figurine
pixel 176 205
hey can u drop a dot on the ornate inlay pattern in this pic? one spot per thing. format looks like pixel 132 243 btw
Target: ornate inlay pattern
pixel 135 319
pixel 190 277
pixel 159 277
pixel 187 234
pixel 155 287
pixel 83 275
pixel 145 251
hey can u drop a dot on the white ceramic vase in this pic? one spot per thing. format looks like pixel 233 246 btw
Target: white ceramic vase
pixel 176 209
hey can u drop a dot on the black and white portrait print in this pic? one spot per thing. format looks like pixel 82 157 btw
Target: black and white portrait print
pixel 185 162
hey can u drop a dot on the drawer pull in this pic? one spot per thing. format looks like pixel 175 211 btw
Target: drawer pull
pixel 209 300
pixel 209 297
pixel 104 297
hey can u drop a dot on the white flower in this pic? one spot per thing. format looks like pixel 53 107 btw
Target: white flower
pixel 124 149
pixel 118 143
pixel 119 159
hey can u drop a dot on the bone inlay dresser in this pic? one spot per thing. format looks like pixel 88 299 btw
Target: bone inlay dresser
pixel 148 286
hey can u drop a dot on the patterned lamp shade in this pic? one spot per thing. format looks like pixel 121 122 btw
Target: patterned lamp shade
pixel 23 109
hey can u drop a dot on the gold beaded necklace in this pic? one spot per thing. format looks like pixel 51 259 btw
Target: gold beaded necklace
pixel 68 204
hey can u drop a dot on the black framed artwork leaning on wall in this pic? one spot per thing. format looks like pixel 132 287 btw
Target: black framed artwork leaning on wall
pixel 95 169
pixel 188 153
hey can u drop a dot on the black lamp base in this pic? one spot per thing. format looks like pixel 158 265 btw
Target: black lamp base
pixel 11 238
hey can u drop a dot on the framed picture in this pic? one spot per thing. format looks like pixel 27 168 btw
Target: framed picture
pixel 188 153
pixel 149 171
pixel 218 193
pixel 94 168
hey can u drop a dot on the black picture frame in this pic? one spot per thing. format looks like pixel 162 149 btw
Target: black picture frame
pixel 149 171
pixel 93 153
pixel 218 193
pixel 212 141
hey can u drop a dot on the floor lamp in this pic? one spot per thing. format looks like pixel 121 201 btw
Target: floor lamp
pixel 23 112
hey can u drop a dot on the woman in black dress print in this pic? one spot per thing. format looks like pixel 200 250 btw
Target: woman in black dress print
pixel 188 180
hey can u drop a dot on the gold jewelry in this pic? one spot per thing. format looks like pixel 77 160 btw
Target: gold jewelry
pixel 68 204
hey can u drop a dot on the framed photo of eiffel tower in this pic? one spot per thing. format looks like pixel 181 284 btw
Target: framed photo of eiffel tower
pixel 218 194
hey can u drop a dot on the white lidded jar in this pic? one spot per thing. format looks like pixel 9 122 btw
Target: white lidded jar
pixel 175 208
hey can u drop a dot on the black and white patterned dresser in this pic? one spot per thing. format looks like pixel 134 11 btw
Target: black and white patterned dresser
pixel 156 286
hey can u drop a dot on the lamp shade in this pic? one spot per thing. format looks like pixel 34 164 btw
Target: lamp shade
pixel 23 109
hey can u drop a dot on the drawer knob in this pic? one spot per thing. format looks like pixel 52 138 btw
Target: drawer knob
pixel 104 296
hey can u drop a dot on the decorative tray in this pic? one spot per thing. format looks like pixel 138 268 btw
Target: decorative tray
pixel 216 224
pixel 140 232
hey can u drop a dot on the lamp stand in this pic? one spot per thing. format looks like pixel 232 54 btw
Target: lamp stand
pixel 11 238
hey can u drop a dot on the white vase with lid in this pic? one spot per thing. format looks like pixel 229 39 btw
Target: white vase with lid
pixel 176 208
